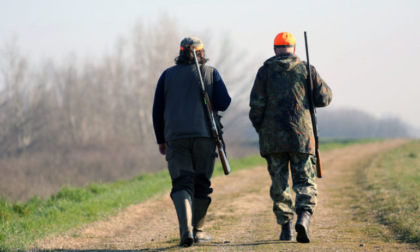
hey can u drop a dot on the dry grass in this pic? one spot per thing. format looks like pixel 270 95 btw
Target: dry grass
pixel 44 173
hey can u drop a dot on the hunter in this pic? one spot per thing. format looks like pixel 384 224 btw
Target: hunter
pixel 183 134
pixel 280 114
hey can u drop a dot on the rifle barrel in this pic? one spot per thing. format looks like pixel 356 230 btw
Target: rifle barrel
pixel 313 113
pixel 213 127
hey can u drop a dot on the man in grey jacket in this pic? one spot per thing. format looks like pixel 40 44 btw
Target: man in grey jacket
pixel 183 134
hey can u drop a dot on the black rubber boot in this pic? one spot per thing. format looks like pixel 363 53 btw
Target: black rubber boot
pixel 182 202
pixel 200 207
pixel 287 231
pixel 302 227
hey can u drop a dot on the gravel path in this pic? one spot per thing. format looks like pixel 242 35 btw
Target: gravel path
pixel 240 217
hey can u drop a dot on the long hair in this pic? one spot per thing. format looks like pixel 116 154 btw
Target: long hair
pixel 186 56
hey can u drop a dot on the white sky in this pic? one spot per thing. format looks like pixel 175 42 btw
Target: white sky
pixel 367 51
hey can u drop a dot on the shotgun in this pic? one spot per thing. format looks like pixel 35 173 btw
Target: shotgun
pixel 219 141
pixel 313 113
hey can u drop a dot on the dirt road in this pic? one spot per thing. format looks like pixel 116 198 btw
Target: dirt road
pixel 240 217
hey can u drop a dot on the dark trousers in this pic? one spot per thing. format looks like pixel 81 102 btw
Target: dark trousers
pixel 191 165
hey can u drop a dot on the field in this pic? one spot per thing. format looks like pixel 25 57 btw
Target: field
pixel 121 212
pixel 43 173
pixel 391 187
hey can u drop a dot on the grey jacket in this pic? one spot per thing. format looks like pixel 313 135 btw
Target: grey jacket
pixel 185 115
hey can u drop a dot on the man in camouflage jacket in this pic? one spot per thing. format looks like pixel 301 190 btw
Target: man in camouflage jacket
pixel 280 114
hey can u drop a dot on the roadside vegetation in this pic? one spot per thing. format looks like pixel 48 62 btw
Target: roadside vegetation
pixel 389 192
pixel 330 144
pixel 21 223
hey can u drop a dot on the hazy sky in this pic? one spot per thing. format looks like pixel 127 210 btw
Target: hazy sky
pixel 367 51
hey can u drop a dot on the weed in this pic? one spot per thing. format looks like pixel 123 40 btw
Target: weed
pixel 412 155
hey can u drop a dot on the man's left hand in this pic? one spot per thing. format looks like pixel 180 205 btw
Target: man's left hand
pixel 162 149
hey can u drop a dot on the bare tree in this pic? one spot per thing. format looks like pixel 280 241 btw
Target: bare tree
pixel 15 133
pixel 78 122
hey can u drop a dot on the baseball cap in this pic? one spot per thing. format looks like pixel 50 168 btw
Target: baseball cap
pixel 284 39
pixel 192 41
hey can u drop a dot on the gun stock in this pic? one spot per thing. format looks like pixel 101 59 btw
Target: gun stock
pixel 223 160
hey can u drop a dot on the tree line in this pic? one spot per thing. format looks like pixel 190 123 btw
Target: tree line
pixel 96 101
pixel 87 120
pixel 81 103
pixel 348 123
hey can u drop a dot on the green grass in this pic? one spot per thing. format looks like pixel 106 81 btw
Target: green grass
pixel 391 189
pixel 330 144
pixel 21 223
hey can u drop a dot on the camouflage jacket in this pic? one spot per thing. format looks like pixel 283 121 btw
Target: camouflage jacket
pixel 280 106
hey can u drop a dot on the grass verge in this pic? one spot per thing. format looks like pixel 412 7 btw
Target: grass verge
pixel 22 223
pixel 390 187
pixel 330 144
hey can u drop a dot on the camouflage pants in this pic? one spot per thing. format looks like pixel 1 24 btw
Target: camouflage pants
pixel 302 168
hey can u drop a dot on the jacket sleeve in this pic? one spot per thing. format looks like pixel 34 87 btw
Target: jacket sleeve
pixel 257 100
pixel 322 92
pixel 159 110
pixel 221 98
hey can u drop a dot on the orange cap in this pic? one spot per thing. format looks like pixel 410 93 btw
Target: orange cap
pixel 284 39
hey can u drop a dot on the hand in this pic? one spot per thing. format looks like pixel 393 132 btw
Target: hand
pixel 162 149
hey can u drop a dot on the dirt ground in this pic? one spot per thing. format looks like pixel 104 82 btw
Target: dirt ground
pixel 241 218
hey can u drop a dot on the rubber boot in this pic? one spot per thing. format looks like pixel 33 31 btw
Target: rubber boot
pixel 182 202
pixel 200 207
pixel 287 231
pixel 302 227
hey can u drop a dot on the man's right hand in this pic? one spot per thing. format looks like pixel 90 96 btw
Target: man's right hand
pixel 162 149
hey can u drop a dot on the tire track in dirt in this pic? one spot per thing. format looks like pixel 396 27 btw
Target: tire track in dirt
pixel 240 217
